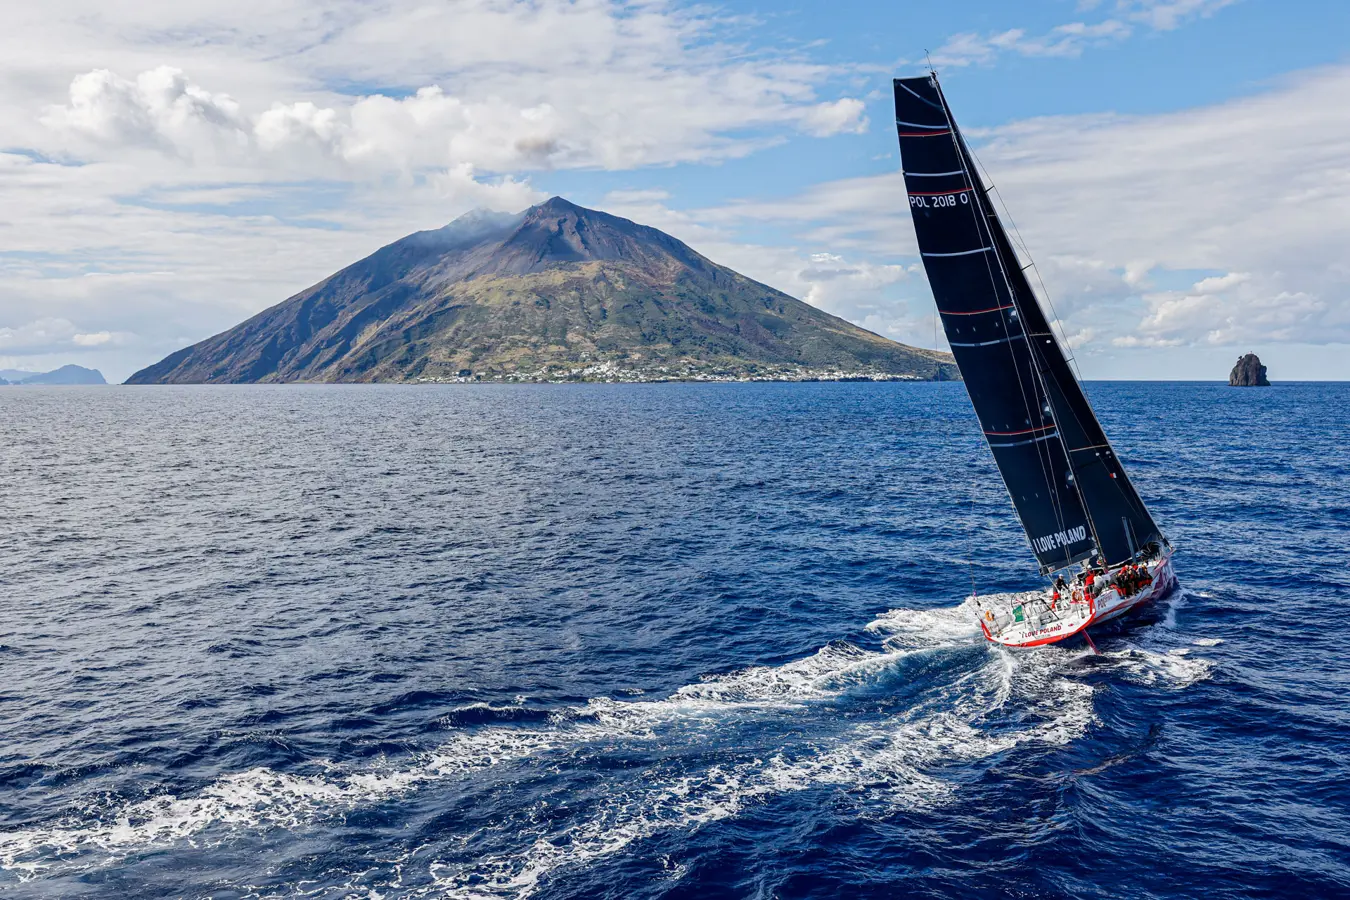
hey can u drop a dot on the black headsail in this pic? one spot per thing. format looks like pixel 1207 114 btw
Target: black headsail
pixel 1067 486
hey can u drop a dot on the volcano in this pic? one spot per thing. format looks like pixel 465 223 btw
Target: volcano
pixel 555 292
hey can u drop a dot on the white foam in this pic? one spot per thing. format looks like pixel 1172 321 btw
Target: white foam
pixel 959 717
pixel 825 674
pixel 944 626
pixel 1153 657
pixel 262 797
pixel 1172 668
pixel 1207 642
pixel 897 763
pixel 250 798
pixel 1174 602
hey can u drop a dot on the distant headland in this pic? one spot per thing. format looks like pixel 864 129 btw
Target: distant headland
pixel 555 293
pixel 1248 372
pixel 64 375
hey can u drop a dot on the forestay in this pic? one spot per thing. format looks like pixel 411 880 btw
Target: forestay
pixel 1067 486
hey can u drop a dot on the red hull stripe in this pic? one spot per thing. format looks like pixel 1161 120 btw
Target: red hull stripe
pixel 1163 584
pixel 1049 640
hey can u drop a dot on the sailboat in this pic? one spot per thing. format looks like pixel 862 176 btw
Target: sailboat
pixel 1066 484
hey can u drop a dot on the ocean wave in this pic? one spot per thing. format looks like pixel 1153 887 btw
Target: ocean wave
pixel 1174 668
pixel 264 798
pixel 897 763
pixel 961 715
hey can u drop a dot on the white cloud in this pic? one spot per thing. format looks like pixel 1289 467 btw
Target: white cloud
pixel 1167 15
pixel 1217 284
pixel 1252 192
pixel 159 108
pixel 92 340
pixel 658 118
pixel 1232 310
pixel 830 279
pixel 1063 40
pixel 1072 38
pixel 629 197
pixel 505 194
pixel 841 116
pixel 38 334
pixel 299 123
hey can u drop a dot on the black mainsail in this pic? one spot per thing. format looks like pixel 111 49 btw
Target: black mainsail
pixel 1067 485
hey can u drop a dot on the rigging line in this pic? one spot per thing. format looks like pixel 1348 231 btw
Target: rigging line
pixel 970 543
pixel 993 284
pixel 981 221
pixel 924 99
pixel 1045 292
pixel 1087 512
pixel 972 487
pixel 1127 491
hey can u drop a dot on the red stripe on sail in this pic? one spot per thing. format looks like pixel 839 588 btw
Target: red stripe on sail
pixel 974 312
pixel 1024 431
pixel 939 193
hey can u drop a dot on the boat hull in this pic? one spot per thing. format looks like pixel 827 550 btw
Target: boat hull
pixel 1047 624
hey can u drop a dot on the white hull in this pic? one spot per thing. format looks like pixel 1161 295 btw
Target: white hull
pixel 1035 619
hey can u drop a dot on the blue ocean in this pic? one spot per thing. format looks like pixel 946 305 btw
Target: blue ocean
pixel 676 641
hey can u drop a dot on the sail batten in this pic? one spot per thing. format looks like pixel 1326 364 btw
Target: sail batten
pixel 1066 485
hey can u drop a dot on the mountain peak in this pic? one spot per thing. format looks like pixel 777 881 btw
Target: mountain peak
pixel 67 374
pixel 558 232
pixel 558 205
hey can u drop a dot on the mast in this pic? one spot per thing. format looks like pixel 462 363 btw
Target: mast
pixel 1073 479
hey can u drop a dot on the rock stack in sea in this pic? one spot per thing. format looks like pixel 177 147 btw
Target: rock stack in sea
pixel 1248 372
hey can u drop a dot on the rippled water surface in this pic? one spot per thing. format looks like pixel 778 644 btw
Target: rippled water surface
pixel 652 641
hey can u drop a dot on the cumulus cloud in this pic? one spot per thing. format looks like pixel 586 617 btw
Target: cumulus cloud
pixel 841 116
pixel 831 281
pixel 159 108
pixel 92 340
pixel 857 289
pixel 684 117
pixel 1231 310
pixel 1114 206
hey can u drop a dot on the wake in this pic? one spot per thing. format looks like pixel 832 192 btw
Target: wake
pixel 965 704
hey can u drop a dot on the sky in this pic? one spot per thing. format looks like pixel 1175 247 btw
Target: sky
pixel 1179 170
